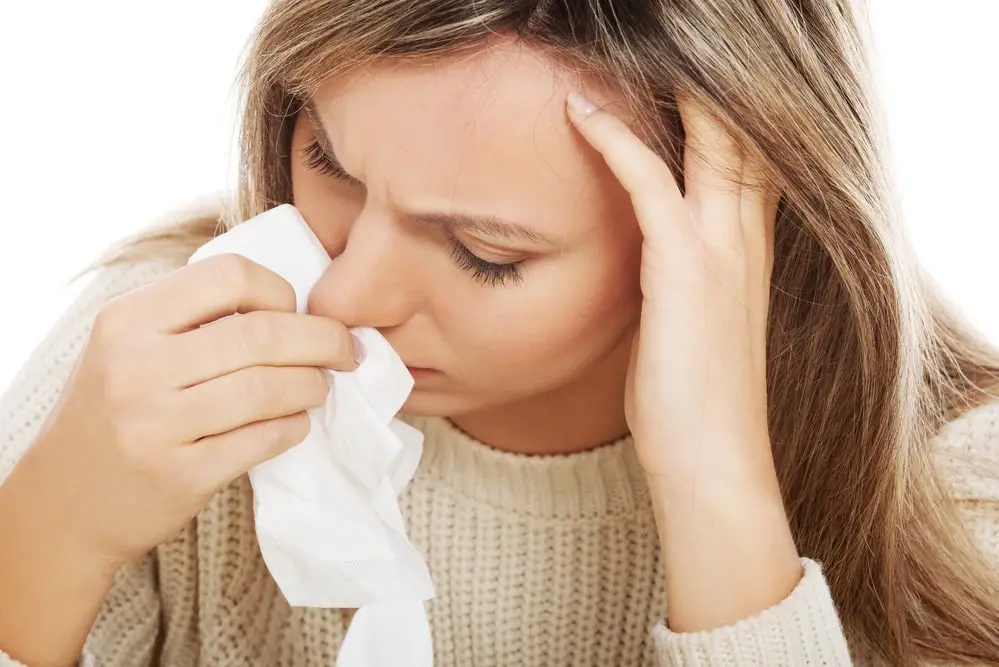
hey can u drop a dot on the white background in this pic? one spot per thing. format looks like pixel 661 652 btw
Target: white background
pixel 114 112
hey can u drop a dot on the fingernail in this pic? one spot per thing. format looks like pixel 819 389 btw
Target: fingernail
pixel 359 351
pixel 581 105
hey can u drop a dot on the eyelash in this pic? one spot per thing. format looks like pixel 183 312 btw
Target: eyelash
pixel 483 272
pixel 317 160
pixel 486 273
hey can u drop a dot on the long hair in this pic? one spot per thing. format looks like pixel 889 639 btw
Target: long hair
pixel 866 359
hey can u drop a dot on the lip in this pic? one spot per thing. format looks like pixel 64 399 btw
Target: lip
pixel 419 373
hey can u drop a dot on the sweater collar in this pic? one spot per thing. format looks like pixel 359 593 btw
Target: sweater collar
pixel 602 482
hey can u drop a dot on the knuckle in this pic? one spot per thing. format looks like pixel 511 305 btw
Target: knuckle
pixel 319 387
pixel 258 388
pixel 271 434
pixel 112 320
pixel 286 298
pixel 257 332
pixel 296 428
pixel 279 434
pixel 233 271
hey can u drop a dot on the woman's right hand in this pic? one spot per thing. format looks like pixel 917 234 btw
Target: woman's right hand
pixel 161 412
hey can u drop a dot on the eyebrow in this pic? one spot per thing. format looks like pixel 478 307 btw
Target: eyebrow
pixel 488 225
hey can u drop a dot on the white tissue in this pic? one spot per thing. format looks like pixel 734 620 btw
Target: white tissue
pixel 326 511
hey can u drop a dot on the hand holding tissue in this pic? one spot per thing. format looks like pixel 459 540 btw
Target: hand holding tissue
pixel 326 511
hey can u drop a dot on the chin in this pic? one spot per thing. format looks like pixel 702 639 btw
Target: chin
pixel 438 404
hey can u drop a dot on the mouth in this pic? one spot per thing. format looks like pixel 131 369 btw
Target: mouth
pixel 419 373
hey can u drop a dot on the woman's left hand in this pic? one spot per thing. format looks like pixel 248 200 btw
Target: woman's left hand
pixel 696 401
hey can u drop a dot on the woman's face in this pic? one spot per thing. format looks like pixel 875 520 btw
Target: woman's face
pixel 470 225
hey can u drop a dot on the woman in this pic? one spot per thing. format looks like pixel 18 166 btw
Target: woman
pixel 687 397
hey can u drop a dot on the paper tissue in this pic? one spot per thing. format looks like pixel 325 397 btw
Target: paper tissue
pixel 326 511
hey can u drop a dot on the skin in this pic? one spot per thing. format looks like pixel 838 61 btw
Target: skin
pixel 696 390
pixel 553 364
pixel 535 365
pixel 647 316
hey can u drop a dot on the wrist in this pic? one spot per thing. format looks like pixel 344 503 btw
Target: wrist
pixel 739 466
pixel 713 506
pixel 716 491
pixel 727 547
pixel 51 586
pixel 38 508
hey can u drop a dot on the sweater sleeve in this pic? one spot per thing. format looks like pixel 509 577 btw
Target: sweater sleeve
pixel 803 630
pixel 126 631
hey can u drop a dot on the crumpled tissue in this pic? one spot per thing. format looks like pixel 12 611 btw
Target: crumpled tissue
pixel 326 511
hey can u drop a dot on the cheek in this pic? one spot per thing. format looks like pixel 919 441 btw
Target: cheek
pixel 576 309
pixel 573 333
pixel 564 316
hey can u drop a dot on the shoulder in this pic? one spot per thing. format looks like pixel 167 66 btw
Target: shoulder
pixel 967 455
pixel 967 451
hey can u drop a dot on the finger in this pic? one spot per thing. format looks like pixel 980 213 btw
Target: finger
pixel 207 290
pixel 261 338
pixel 647 179
pixel 712 166
pixel 219 459
pixel 247 396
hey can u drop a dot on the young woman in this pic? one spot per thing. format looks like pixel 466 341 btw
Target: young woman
pixel 688 399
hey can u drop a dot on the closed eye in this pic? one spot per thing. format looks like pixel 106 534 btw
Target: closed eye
pixel 318 160
pixel 484 272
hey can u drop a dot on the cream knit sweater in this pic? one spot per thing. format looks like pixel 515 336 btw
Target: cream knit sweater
pixel 536 560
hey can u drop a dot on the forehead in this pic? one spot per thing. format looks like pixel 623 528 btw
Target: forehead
pixel 484 133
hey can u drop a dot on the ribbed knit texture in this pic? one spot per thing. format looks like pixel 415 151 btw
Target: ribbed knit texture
pixel 536 560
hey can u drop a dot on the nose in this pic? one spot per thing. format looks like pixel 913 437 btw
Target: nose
pixel 370 283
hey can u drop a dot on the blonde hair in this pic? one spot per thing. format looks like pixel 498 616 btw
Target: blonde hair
pixel 866 359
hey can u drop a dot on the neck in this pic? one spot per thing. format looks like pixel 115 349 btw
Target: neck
pixel 582 415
